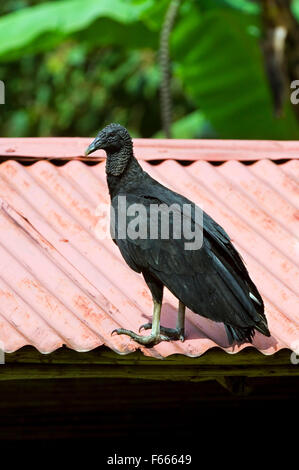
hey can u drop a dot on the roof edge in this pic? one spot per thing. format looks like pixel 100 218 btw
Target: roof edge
pixel 30 351
pixel 27 364
pixel 69 148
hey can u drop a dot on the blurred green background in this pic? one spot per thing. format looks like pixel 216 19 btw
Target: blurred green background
pixel 72 66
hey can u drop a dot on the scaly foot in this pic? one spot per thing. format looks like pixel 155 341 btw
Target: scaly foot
pixel 146 340
pixel 171 333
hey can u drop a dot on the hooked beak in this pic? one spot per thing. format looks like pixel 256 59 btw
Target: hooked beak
pixel 95 145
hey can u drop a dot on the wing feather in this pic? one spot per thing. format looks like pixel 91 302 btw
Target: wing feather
pixel 212 281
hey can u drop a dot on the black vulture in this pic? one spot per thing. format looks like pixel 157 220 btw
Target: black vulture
pixel 211 280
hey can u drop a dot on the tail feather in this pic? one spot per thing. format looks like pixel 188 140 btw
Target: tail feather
pixel 241 334
pixel 262 327
pixel 238 334
pixel 251 307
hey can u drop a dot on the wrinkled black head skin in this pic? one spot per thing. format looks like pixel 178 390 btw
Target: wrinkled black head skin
pixel 117 143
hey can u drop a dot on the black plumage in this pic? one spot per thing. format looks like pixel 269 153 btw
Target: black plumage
pixel 212 281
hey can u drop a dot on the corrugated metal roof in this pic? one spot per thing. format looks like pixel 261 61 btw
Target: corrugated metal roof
pixel 60 284
pixel 35 148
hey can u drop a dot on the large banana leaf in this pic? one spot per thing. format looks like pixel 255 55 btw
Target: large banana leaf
pixel 41 27
pixel 220 62
pixel 295 8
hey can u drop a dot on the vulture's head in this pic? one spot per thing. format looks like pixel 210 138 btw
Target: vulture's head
pixel 117 143
pixel 112 139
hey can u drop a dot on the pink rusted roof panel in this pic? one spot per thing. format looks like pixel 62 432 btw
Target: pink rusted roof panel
pixel 63 282
pixel 36 148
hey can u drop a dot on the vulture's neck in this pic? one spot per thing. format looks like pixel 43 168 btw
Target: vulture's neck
pixel 127 179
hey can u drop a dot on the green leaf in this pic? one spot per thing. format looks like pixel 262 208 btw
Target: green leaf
pixel 42 27
pixel 220 63
pixel 192 126
pixel 295 8
pixel 243 5
pixel 153 13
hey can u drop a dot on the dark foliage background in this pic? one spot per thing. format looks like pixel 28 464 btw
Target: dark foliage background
pixel 72 66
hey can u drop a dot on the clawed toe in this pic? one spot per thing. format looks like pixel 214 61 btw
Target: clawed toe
pixel 164 338
pixel 173 333
pixel 146 326
pixel 169 333
pixel 144 340
pixel 166 334
pixel 119 331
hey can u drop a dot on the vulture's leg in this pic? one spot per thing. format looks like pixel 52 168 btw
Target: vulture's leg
pixel 172 333
pixel 155 337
